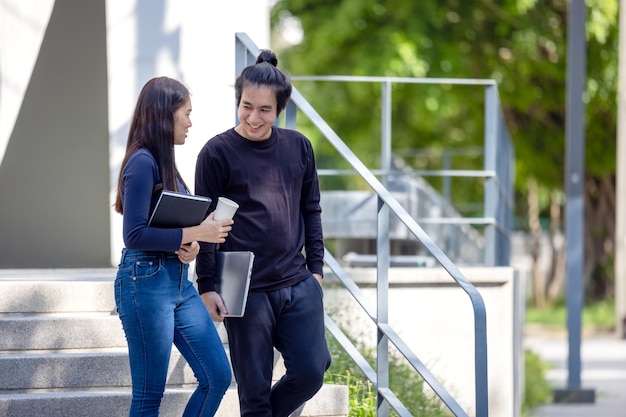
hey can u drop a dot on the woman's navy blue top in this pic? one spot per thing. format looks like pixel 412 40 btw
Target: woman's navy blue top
pixel 139 177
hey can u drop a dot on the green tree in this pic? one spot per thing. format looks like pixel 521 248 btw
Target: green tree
pixel 519 43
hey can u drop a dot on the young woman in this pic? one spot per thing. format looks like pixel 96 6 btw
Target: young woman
pixel 156 302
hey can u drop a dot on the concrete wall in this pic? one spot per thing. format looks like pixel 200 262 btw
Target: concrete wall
pixel 54 173
pixel 70 73
pixel 435 318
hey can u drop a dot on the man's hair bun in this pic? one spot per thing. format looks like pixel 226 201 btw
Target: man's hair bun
pixel 267 56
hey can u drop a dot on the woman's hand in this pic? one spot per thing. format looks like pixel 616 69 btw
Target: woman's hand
pixel 188 252
pixel 216 231
pixel 209 230
pixel 214 305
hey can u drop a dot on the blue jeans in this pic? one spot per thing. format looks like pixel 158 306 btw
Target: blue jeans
pixel 292 320
pixel 158 305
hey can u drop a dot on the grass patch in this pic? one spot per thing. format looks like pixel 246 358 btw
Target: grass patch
pixel 597 316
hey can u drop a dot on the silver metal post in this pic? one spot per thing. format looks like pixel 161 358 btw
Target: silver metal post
pixel 574 209
pixel 385 146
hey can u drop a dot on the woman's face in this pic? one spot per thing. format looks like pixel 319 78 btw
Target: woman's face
pixel 256 112
pixel 182 122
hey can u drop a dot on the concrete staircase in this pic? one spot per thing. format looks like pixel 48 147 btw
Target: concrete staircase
pixel 63 352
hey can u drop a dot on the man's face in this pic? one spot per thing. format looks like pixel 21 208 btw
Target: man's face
pixel 256 112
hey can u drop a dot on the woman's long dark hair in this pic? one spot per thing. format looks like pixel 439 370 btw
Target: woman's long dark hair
pixel 152 128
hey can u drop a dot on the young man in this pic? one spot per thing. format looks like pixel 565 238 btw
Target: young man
pixel 271 173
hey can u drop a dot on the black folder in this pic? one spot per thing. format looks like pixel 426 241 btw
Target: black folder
pixel 174 209
pixel 235 270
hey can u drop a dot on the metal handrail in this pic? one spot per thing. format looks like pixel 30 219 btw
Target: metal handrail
pixel 498 157
pixel 246 52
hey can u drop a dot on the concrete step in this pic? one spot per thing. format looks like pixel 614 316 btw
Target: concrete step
pixel 27 331
pixel 50 291
pixel 103 402
pixel 63 352
pixel 330 401
pixel 78 368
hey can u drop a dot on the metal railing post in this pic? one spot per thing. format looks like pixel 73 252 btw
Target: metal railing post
pixel 506 176
pixel 447 180
pixel 382 305
pixel 491 186
pixel 290 115
pixel 385 145
pixel 245 54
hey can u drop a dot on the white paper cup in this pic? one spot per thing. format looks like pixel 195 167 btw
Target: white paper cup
pixel 225 209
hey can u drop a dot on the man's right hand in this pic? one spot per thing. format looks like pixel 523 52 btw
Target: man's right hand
pixel 214 305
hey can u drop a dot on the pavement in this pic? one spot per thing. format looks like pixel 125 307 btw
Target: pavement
pixel 603 370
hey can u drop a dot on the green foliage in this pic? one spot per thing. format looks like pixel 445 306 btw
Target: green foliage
pixel 522 44
pixel 403 381
pixel 343 371
pixel 537 390
pixel 519 43
pixel 409 387
pixel 362 395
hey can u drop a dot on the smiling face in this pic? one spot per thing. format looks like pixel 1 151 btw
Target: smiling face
pixel 182 122
pixel 256 112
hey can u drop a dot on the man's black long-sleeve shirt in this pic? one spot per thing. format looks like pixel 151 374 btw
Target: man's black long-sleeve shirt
pixel 276 185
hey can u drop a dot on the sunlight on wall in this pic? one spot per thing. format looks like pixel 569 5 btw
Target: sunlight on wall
pixel 22 28
pixel 193 41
